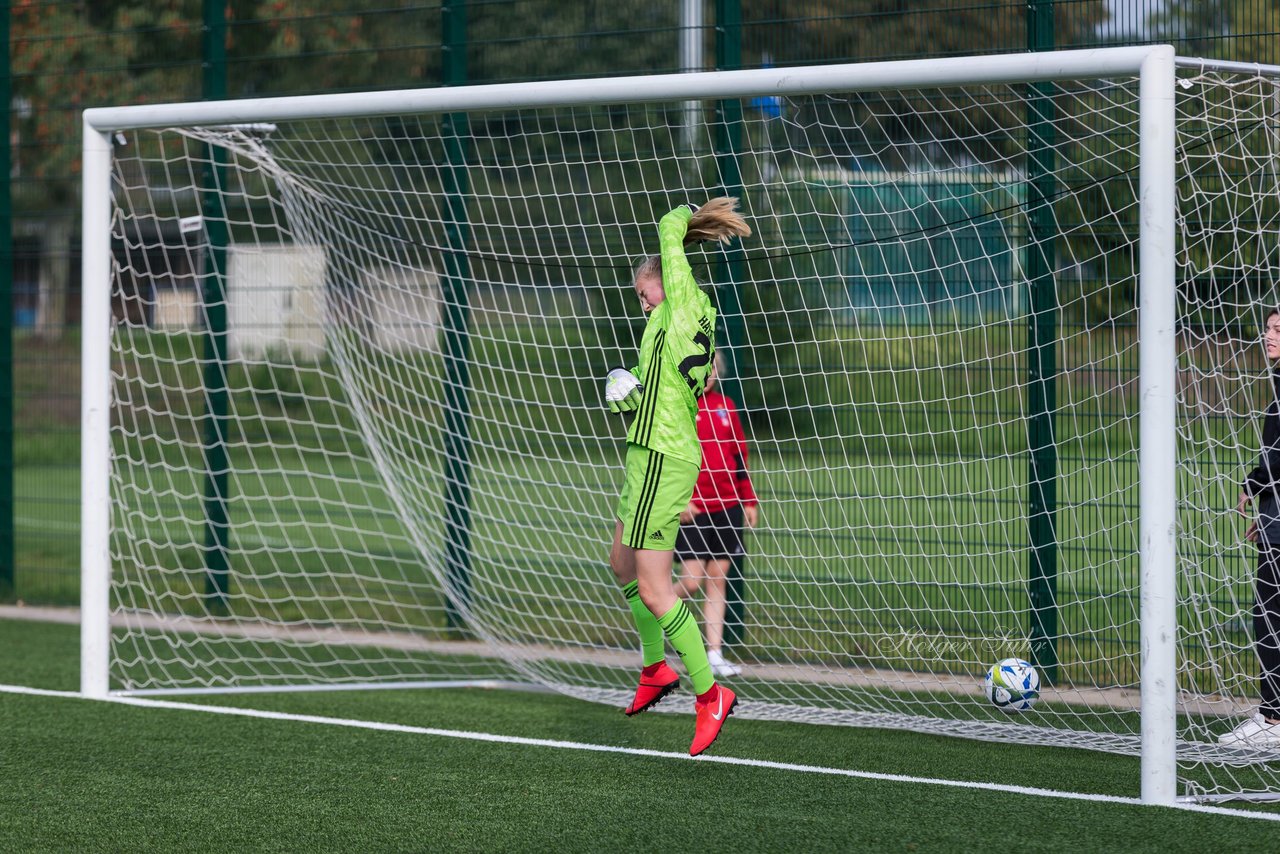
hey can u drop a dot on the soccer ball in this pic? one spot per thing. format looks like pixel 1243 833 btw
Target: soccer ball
pixel 1013 685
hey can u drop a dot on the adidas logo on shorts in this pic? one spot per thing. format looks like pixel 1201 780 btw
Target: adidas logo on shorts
pixel 656 535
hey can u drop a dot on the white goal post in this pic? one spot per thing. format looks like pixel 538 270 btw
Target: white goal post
pixel 342 540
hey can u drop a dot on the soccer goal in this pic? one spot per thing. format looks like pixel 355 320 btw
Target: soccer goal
pixel 995 338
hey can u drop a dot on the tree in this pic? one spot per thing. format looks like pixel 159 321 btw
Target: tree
pixel 792 33
pixel 62 63
pixel 62 60
pixel 1240 30
pixel 294 47
pixel 548 39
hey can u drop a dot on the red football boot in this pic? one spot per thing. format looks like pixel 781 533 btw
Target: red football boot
pixel 656 681
pixel 712 712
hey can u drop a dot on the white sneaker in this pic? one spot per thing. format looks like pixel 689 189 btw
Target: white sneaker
pixel 1254 732
pixel 720 667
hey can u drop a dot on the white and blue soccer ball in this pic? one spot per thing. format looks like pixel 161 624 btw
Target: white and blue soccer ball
pixel 1013 685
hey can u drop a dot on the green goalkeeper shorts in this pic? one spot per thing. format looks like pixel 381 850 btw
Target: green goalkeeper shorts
pixel 656 491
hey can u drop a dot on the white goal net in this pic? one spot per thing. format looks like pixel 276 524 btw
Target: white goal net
pixel 356 432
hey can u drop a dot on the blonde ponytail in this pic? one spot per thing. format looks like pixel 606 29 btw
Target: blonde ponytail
pixel 717 220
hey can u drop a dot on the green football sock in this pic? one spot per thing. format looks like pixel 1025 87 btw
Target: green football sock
pixel 681 629
pixel 651 647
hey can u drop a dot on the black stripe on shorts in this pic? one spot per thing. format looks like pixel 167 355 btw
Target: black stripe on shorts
pixel 644 505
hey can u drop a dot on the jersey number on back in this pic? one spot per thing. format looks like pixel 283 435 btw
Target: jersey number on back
pixel 696 360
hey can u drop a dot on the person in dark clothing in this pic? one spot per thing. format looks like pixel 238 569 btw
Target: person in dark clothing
pixel 1262 729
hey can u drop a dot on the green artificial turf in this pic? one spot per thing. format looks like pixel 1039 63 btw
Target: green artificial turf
pixel 83 775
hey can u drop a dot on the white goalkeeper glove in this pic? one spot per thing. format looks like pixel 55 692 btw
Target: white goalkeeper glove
pixel 622 391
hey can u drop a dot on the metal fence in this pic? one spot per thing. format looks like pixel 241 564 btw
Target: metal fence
pixel 63 57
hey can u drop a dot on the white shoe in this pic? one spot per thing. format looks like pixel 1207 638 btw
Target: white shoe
pixel 1254 732
pixel 720 667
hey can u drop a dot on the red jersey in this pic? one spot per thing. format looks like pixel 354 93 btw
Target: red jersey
pixel 722 481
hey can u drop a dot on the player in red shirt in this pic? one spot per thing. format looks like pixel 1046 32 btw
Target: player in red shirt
pixel 711 526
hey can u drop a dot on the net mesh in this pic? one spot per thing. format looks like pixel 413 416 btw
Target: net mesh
pixel 358 435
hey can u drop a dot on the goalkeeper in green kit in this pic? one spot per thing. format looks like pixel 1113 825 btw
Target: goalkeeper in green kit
pixel 663 458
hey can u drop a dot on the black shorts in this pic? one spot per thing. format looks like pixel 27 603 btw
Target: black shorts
pixel 711 536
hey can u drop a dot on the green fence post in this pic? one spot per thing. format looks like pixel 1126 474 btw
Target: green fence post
pixel 8 575
pixel 731 268
pixel 217 531
pixel 1042 336
pixel 457 316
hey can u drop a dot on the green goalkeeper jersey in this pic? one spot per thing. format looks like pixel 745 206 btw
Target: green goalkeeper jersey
pixel 675 353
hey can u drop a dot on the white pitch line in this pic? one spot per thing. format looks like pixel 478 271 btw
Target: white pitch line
pixel 631 751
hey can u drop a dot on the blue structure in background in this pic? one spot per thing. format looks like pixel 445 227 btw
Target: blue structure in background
pixel 769 106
